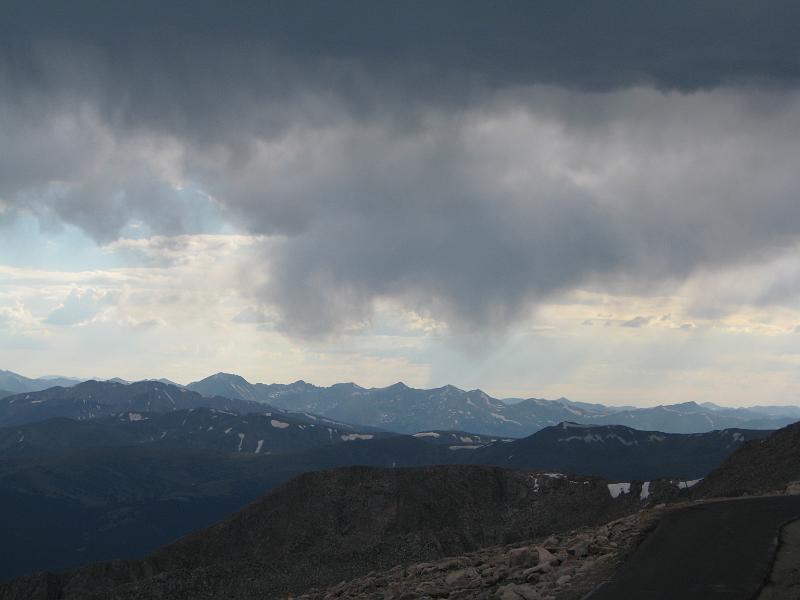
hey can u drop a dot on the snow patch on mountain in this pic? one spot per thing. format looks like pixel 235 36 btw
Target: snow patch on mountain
pixel 349 437
pixel 588 438
pixel 645 493
pixel 504 418
pixel 621 440
pixel 615 489
pixel 685 485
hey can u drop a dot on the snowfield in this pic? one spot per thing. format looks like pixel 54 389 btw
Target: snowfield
pixel 615 489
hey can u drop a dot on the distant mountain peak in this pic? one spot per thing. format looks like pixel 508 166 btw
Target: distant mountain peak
pixel 347 384
pixel 16 383
pixel 226 376
pixel 711 406
pixel 689 404
pixel 301 385
pixel 449 389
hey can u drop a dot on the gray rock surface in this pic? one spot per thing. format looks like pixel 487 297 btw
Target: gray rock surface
pixel 503 572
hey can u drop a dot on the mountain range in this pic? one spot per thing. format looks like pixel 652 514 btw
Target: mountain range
pixel 80 490
pixel 97 399
pixel 613 451
pixel 204 429
pixel 350 521
pixel 403 409
pixel 407 410
pixel 101 470
pixel 93 399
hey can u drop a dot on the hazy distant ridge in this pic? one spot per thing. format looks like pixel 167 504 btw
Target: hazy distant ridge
pixel 404 409
pixel 407 410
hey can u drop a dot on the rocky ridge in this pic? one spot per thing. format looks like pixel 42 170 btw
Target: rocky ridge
pixel 771 465
pixel 562 566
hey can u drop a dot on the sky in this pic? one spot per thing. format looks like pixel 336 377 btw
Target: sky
pixel 596 200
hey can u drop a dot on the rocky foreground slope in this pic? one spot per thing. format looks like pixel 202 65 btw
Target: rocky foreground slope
pixel 322 528
pixel 564 566
pixel 378 532
pixel 569 565
pixel 758 467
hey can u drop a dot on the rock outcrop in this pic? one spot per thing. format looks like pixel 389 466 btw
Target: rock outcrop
pixel 560 566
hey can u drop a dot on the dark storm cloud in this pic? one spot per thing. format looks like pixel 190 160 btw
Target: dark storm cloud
pixel 194 66
pixel 681 44
pixel 465 159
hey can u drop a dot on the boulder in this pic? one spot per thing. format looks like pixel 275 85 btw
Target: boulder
pixel 580 548
pixel 463 578
pixel 545 556
pixel 522 557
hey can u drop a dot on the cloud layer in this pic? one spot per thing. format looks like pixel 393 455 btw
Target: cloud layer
pixel 463 163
